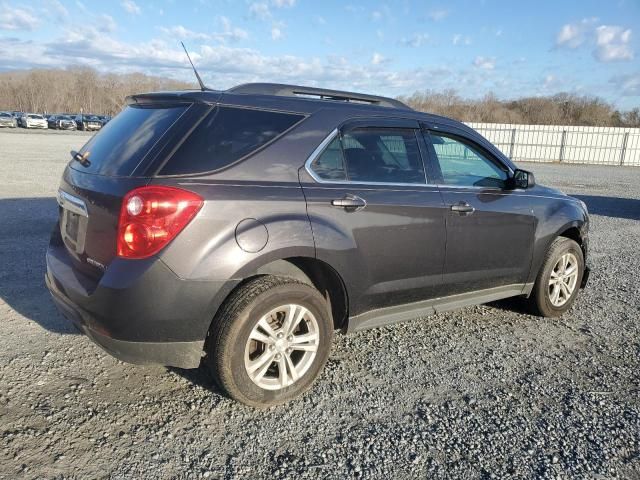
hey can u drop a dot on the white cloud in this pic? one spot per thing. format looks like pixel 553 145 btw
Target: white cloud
pixel 572 35
pixel 319 20
pixel 459 39
pixel 550 81
pixel 260 10
pixel 377 59
pixel 276 33
pixel 438 14
pixel 131 7
pixel 106 23
pixel 612 43
pixel 223 65
pixel 229 32
pixel 183 33
pixel 486 63
pixel 376 15
pixel 60 10
pixel 416 40
pixel 12 18
pixel 283 3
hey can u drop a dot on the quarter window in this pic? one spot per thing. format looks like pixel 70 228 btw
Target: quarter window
pixel 464 165
pixel 226 135
pixel 330 164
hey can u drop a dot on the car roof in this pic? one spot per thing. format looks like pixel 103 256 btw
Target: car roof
pixel 293 98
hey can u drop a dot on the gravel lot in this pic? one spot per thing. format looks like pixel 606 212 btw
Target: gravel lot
pixel 486 392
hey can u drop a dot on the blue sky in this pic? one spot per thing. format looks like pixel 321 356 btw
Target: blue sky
pixel 390 48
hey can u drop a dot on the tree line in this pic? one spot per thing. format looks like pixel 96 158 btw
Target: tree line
pixel 559 109
pixel 75 90
pixel 84 89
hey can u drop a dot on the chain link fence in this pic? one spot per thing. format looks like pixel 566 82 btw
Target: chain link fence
pixel 564 144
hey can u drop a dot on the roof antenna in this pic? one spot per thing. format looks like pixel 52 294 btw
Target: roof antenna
pixel 202 87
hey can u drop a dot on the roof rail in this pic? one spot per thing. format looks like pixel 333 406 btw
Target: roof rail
pixel 283 90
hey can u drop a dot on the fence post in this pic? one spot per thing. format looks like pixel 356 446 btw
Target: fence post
pixel 513 141
pixel 562 139
pixel 625 139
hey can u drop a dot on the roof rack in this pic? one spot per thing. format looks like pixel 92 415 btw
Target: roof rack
pixel 283 90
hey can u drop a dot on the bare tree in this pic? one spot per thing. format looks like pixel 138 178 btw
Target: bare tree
pixel 74 90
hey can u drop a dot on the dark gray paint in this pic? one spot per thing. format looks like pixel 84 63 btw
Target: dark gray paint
pixel 406 252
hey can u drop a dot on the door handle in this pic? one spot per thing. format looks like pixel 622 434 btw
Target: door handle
pixel 350 203
pixel 463 208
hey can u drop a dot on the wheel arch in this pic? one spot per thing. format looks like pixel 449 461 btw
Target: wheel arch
pixel 311 271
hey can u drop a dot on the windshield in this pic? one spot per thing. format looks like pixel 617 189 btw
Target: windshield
pixel 37 117
pixel 2 114
pixel 124 142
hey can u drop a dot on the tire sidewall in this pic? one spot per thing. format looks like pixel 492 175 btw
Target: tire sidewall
pixel 568 246
pixel 245 322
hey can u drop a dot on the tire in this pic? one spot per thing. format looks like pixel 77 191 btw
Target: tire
pixel 542 300
pixel 249 371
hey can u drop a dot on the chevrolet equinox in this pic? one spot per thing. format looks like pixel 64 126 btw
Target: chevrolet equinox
pixel 239 229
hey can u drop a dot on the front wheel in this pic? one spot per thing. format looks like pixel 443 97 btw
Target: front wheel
pixel 270 341
pixel 559 279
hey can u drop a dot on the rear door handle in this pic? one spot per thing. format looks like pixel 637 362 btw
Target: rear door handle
pixel 349 202
pixel 463 208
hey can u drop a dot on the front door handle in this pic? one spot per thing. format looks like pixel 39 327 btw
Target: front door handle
pixel 350 203
pixel 463 208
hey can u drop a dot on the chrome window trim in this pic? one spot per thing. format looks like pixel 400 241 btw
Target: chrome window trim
pixel 320 149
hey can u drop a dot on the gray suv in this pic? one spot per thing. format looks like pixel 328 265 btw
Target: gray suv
pixel 240 229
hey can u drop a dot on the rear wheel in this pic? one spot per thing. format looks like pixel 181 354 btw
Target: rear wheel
pixel 270 341
pixel 559 279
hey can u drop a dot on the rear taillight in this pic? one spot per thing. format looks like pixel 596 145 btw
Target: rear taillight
pixel 150 217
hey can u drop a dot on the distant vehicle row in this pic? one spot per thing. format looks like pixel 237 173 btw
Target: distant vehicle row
pixel 56 121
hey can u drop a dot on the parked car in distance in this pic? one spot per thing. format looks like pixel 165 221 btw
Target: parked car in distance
pixel 104 119
pixel 61 122
pixel 7 120
pixel 32 120
pixel 88 122
pixel 238 230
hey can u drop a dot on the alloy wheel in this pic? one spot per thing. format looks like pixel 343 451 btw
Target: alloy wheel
pixel 281 347
pixel 563 279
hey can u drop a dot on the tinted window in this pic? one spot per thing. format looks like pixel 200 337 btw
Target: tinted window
pixel 465 165
pixel 224 136
pixel 2 114
pixel 330 164
pixel 383 155
pixel 122 144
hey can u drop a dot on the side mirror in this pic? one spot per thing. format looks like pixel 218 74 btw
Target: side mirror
pixel 523 179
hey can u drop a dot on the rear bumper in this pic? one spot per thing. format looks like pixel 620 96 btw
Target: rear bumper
pixel 176 354
pixel 139 311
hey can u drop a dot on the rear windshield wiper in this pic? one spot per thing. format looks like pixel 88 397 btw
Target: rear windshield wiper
pixel 81 158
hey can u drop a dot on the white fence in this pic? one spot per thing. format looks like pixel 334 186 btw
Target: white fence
pixel 566 144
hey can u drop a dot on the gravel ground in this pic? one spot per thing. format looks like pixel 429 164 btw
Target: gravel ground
pixel 485 392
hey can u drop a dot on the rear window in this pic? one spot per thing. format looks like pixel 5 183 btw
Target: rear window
pixel 224 136
pixel 123 142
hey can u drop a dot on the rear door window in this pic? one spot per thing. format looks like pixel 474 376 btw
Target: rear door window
pixel 123 143
pixel 226 135
pixel 385 155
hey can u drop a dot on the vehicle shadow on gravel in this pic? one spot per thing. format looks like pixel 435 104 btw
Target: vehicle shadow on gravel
pixel 199 376
pixel 26 225
pixel 616 207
